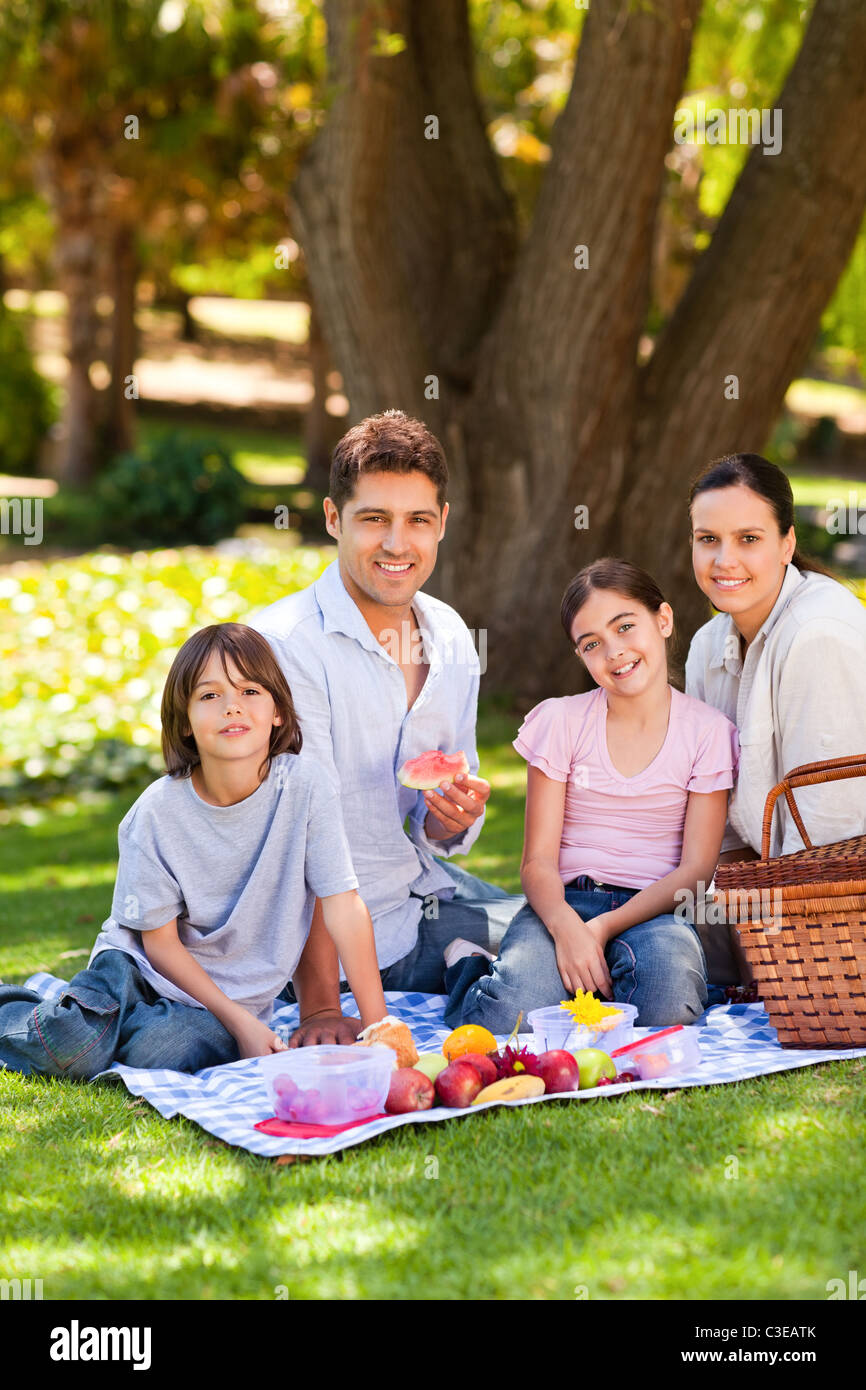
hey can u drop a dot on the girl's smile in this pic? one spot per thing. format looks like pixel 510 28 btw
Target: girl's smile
pixel 622 643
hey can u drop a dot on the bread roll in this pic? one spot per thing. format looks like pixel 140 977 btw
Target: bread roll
pixel 394 1034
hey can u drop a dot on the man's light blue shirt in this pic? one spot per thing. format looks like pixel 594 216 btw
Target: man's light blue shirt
pixel 350 698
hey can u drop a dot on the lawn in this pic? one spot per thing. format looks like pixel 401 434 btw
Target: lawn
pixel 729 1192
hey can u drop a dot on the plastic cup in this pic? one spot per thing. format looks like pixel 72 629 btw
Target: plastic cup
pixel 554 1029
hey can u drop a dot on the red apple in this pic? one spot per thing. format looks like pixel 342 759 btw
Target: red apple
pixel 409 1090
pixel 459 1084
pixel 485 1066
pixel 558 1070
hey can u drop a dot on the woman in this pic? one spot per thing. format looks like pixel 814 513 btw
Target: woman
pixel 784 659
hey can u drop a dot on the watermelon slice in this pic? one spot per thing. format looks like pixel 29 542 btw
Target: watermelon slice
pixel 429 769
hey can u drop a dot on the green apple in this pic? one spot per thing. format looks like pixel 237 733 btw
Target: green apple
pixel 431 1063
pixel 592 1064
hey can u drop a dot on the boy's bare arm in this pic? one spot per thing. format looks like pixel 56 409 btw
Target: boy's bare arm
pixel 169 956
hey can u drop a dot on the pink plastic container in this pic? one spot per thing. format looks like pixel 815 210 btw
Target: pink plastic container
pixel 328 1085
pixel 672 1052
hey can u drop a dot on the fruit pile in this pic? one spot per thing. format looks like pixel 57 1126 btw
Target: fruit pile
pixel 472 1069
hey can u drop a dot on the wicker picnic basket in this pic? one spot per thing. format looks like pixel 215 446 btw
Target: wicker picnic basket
pixel 801 920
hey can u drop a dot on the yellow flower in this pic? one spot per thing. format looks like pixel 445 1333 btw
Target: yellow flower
pixel 587 1010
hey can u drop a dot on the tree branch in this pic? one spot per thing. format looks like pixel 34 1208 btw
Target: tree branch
pixel 601 191
pixel 407 239
pixel 754 303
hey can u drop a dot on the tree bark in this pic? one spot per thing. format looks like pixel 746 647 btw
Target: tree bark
pixel 540 402
pixel 75 191
pixel 320 429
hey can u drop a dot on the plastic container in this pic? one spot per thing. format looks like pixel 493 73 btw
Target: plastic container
pixel 669 1053
pixel 555 1028
pixel 328 1085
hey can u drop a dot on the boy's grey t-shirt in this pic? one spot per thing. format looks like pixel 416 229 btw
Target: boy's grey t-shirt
pixel 241 880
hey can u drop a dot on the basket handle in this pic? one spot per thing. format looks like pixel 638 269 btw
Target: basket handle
pixel 831 770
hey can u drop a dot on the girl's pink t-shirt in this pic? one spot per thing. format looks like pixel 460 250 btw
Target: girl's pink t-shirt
pixel 626 830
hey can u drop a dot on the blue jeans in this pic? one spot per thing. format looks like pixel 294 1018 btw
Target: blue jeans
pixel 657 965
pixel 479 912
pixel 107 1013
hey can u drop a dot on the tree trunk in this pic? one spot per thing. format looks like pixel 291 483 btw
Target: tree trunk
pixel 75 189
pixel 123 391
pixel 525 363
pixel 320 429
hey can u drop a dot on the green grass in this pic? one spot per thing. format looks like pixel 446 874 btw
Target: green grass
pixel 740 1192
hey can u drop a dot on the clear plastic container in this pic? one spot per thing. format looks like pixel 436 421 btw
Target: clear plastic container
pixel 671 1052
pixel 328 1085
pixel 555 1028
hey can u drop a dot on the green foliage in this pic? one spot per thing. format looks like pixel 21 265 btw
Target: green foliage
pixel 844 321
pixel 86 644
pixel 253 275
pixel 179 489
pixel 26 400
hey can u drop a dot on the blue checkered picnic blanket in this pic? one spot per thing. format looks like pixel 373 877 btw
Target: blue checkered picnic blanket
pixel 736 1040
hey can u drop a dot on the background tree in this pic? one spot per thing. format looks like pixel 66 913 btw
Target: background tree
pixel 137 111
pixel 437 298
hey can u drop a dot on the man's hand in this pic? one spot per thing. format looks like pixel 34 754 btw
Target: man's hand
pixel 255 1039
pixel 329 1026
pixel 461 802
pixel 580 959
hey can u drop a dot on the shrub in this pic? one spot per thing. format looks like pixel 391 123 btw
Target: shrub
pixel 179 490
pixel 26 400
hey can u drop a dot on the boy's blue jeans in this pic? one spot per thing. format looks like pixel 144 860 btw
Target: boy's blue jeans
pixel 657 965
pixel 107 1013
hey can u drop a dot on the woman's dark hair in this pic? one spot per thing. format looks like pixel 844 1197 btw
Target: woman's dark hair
pixel 763 477
pixel 255 662
pixel 609 573
pixel 388 443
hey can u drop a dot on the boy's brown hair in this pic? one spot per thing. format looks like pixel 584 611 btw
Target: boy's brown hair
pixel 255 661
pixel 388 443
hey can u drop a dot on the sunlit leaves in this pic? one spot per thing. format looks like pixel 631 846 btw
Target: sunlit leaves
pixel 86 645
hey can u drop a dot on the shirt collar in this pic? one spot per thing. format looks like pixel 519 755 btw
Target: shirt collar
pixel 340 613
pixel 727 637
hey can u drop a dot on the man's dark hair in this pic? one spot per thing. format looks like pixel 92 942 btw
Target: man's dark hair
pixel 388 443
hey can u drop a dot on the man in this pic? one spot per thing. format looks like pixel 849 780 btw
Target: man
pixel 380 672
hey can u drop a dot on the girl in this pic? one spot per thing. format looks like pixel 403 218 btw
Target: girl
pixel 785 659
pixel 220 864
pixel 625 811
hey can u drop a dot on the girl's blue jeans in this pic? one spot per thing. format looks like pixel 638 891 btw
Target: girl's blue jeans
pixel 657 965
pixel 107 1013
